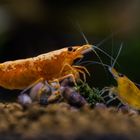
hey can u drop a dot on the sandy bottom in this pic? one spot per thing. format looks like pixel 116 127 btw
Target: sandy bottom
pixel 61 121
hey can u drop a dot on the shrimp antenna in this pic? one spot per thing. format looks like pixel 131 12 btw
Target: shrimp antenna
pixel 117 55
pixel 104 40
pixel 112 50
pixel 77 26
pixel 107 38
pixel 95 47
pixel 93 62
pixel 100 60
pixel 82 33
pixel 87 42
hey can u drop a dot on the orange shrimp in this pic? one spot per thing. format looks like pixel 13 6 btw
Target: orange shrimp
pixel 21 74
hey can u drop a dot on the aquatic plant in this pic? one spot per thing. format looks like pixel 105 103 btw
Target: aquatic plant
pixel 92 95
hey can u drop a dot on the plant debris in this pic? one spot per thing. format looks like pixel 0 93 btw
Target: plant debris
pixel 92 95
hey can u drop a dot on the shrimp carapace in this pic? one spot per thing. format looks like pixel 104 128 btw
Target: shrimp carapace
pixel 20 74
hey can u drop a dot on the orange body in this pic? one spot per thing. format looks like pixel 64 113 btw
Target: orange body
pixel 20 74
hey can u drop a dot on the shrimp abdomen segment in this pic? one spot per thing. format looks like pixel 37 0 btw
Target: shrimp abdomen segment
pixel 17 76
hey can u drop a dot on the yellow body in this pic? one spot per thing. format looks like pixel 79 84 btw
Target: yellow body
pixel 126 90
pixel 20 74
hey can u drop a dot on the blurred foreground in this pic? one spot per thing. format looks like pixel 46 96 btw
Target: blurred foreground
pixel 61 121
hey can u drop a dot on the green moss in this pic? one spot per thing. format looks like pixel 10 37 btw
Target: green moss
pixel 92 95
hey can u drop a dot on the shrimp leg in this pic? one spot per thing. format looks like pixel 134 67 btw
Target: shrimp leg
pixel 30 86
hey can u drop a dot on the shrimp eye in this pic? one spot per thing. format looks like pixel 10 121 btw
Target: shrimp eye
pixel 120 75
pixel 74 50
pixel 70 48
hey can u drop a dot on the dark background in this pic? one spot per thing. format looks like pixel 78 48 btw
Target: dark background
pixel 32 27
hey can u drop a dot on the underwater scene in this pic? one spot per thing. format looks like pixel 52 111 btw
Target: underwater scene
pixel 69 70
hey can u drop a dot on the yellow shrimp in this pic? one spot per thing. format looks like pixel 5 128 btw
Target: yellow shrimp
pixel 21 74
pixel 126 90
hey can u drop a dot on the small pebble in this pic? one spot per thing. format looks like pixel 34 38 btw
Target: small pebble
pixel 24 99
pixel 124 109
pixel 73 97
pixel 100 106
pixel 55 85
pixel 67 82
pixel 133 112
pixel 127 110
pixel 36 89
